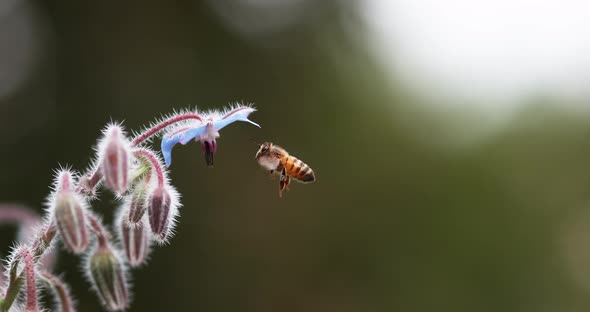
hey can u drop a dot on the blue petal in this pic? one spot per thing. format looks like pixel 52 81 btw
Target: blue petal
pixel 167 145
pixel 241 115
pixel 190 134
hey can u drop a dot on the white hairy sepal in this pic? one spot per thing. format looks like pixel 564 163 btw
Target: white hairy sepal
pixel 115 158
pixel 125 277
pixel 68 209
pixel 168 223
pixel 135 239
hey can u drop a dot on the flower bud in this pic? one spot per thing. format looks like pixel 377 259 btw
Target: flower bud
pixel 136 240
pixel 114 152
pixel 71 221
pixel 162 209
pixel 107 275
pixel 137 205
pixel 159 208
pixel 69 211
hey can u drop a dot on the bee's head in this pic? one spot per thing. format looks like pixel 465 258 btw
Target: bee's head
pixel 264 150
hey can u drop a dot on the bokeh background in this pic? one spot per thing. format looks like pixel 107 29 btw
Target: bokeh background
pixel 450 139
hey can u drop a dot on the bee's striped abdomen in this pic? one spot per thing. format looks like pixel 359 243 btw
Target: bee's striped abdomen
pixel 298 169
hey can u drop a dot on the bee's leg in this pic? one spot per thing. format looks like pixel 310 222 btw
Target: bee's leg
pixel 276 170
pixel 283 182
pixel 273 173
pixel 287 182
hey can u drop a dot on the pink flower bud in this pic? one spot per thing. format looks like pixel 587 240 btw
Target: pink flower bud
pixel 136 240
pixel 134 237
pixel 114 154
pixel 69 212
pixel 137 205
pixel 108 277
pixel 162 209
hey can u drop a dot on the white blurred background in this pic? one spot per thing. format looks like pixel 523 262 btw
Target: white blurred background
pixel 492 54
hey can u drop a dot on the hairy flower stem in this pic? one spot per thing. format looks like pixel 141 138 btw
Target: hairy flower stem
pixel 12 292
pixel 154 163
pixel 15 214
pixel 101 234
pixel 62 293
pixel 16 282
pixel 44 237
pixel 142 137
pixel 31 301
pixel 89 181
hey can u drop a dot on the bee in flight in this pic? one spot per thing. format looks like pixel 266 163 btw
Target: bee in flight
pixel 278 161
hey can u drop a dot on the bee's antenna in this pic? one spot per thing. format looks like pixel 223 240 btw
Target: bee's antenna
pixel 251 139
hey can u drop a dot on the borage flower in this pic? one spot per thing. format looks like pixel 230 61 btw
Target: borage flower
pixel 205 130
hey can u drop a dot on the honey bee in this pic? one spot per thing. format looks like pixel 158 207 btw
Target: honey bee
pixel 278 161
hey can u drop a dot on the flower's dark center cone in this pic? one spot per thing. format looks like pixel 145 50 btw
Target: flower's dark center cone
pixel 208 154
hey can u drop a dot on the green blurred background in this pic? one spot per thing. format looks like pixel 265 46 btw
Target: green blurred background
pixel 412 209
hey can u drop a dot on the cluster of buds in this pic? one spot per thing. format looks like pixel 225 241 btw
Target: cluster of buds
pixel 147 213
pixel 82 232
